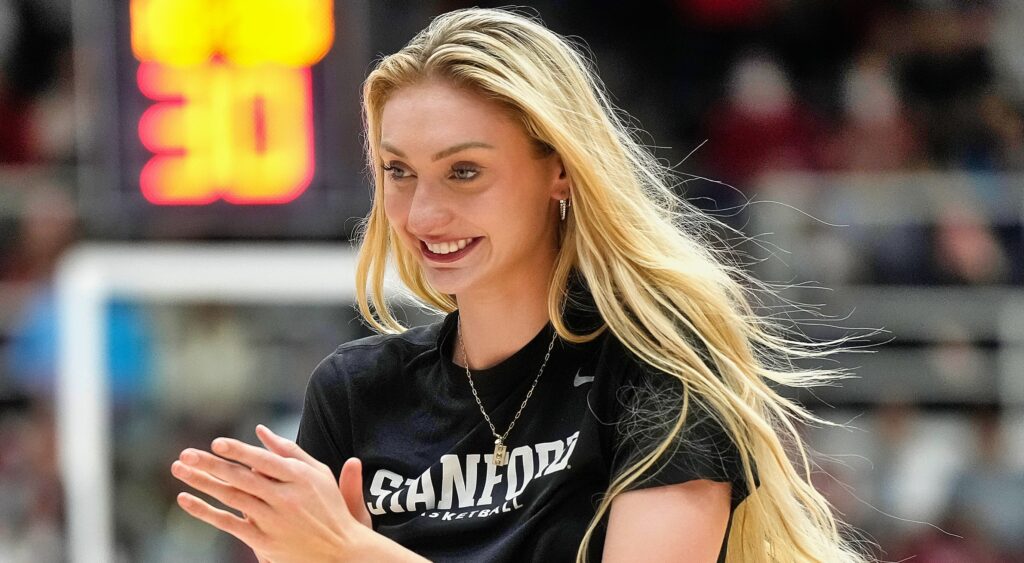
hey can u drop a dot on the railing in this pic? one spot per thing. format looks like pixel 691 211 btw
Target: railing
pixel 948 344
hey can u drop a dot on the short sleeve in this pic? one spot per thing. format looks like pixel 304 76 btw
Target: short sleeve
pixel 323 424
pixel 649 403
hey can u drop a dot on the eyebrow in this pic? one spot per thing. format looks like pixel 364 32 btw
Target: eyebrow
pixel 446 152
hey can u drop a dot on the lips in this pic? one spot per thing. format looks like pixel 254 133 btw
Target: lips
pixel 451 256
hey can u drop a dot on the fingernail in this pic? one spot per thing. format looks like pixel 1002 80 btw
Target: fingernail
pixel 180 469
pixel 220 445
pixel 190 457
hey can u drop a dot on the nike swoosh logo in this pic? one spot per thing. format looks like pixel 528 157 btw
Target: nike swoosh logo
pixel 580 380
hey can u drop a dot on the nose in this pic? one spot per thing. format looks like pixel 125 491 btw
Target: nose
pixel 430 209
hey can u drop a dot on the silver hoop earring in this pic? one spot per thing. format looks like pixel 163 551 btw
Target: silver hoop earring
pixel 563 206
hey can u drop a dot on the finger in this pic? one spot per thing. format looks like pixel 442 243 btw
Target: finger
pixel 267 463
pixel 222 520
pixel 237 475
pixel 285 447
pixel 350 482
pixel 227 494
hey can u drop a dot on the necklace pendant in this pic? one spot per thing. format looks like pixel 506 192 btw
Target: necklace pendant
pixel 500 453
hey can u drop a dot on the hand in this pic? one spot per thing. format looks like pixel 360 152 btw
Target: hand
pixel 350 481
pixel 292 509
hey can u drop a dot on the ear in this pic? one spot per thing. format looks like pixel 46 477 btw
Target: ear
pixel 560 182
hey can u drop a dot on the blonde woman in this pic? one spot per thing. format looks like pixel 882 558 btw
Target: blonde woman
pixel 599 387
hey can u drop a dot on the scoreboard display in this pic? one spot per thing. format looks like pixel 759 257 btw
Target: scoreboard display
pixel 233 119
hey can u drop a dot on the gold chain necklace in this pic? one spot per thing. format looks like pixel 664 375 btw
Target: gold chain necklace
pixel 500 450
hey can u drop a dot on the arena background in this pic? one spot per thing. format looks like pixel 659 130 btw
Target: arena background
pixel 174 173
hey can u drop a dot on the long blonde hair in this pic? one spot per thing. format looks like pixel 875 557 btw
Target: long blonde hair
pixel 656 268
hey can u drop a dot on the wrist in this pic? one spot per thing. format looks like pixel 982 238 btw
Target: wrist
pixel 380 548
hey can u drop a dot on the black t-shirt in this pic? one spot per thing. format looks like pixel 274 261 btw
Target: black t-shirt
pixel 401 405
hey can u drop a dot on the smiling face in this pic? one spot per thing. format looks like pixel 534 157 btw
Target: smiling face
pixel 467 191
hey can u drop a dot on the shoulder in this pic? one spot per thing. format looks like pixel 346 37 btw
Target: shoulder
pixel 373 355
pixel 382 346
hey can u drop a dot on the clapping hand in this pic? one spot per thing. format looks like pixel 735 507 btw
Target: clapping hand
pixel 292 509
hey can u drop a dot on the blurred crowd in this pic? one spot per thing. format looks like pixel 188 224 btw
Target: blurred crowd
pixel 730 92
pixel 742 88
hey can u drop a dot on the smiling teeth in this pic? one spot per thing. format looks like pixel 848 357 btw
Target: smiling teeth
pixel 448 247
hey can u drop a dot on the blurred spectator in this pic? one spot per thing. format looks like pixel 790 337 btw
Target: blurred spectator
pixel 984 519
pixel 1007 44
pixel 49 226
pixel 957 361
pixel 939 546
pixel 966 249
pixel 761 125
pixel 916 460
pixel 14 126
pixel 31 503
pixel 53 116
pixel 875 135
pixel 1004 136
pixel 989 493
pixel 718 13
pixel 32 353
pixel 206 368
pixel 900 255
pixel 32 34
pixel 944 74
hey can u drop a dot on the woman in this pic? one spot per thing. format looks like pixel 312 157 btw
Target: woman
pixel 599 385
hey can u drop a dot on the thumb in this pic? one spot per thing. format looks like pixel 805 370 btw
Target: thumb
pixel 350 482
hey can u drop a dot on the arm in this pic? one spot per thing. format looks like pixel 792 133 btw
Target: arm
pixel 680 522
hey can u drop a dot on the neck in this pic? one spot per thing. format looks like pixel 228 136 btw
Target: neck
pixel 497 325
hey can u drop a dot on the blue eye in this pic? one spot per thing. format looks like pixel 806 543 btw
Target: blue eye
pixel 395 172
pixel 465 173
